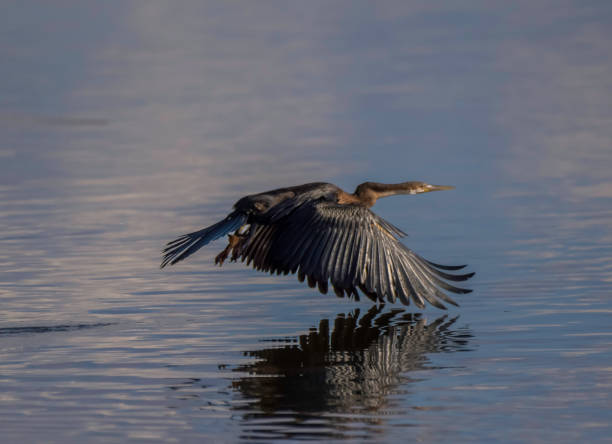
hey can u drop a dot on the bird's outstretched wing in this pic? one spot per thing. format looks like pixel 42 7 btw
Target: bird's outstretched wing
pixel 351 247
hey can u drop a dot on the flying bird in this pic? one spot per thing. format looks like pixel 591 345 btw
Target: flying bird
pixel 327 235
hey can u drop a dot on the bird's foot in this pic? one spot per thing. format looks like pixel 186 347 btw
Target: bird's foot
pixel 220 258
pixel 234 241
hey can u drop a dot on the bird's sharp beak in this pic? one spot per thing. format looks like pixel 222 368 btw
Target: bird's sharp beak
pixel 427 188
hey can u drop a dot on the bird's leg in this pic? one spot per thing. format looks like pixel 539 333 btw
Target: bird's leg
pixel 238 248
pixel 242 238
pixel 235 241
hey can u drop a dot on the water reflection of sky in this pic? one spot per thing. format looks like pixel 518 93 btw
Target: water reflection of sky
pixel 125 125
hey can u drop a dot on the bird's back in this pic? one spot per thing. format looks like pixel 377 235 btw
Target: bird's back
pixel 261 202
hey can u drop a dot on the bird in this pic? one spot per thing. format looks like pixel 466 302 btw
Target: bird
pixel 329 236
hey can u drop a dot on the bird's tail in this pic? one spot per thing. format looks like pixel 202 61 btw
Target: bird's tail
pixel 187 244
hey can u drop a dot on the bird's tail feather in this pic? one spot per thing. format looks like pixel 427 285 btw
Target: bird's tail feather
pixel 187 244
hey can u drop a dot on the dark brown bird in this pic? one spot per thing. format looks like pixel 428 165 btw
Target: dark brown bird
pixel 328 236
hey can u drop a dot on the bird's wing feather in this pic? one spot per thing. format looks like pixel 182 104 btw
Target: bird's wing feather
pixel 350 247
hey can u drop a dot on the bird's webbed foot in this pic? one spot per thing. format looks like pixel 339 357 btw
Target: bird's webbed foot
pixel 233 246
pixel 220 258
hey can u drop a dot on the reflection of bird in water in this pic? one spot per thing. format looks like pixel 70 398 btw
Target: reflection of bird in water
pixel 354 369
pixel 342 380
pixel 327 235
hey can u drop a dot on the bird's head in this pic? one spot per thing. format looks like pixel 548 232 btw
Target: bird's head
pixel 420 187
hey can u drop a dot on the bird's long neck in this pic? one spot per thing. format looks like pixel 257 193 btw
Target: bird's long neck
pixel 368 192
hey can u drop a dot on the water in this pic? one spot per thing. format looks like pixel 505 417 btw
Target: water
pixel 122 127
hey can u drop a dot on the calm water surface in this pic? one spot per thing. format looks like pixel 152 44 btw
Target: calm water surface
pixel 123 127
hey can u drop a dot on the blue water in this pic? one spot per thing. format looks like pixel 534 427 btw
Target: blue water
pixel 124 125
